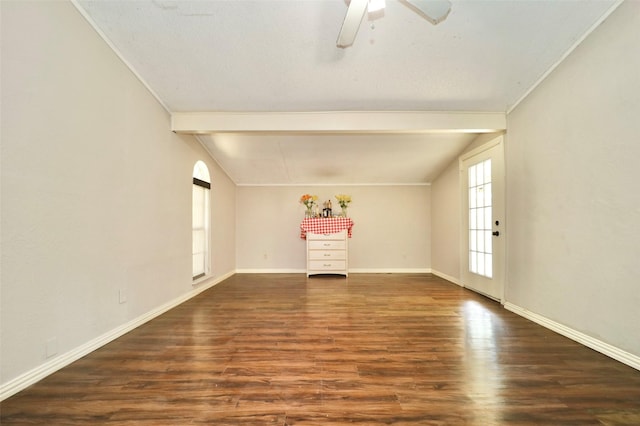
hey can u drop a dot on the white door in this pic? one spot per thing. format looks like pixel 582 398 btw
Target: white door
pixel 483 248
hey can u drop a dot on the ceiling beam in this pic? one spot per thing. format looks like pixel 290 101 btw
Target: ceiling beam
pixel 338 122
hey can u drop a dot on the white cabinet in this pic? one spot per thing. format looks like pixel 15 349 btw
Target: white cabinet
pixel 327 253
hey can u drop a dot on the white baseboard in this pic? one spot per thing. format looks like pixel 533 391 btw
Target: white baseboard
pixel 390 271
pixel 351 270
pixel 40 372
pixel 597 345
pixel 447 277
pixel 271 271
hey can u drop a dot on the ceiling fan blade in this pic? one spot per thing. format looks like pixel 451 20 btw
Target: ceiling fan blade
pixel 352 19
pixel 434 11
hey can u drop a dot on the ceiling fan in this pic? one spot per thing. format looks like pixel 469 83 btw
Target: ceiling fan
pixel 434 11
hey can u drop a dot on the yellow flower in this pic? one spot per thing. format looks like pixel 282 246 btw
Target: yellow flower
pixel 343 200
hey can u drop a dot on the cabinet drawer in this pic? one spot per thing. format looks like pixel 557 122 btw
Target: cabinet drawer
pixel 327 245
pixel 327 255
pixel 327 265
pixel 337 236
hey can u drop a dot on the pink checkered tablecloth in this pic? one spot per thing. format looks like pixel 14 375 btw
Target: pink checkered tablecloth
pixel 325 225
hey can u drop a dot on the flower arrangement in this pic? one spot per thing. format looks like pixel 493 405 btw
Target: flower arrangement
pixel 343 200
pixel 308 200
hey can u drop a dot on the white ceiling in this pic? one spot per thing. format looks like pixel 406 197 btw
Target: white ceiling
pixel 336 158
pixel 281 56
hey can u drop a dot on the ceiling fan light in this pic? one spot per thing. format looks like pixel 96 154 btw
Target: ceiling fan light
pixel 375 6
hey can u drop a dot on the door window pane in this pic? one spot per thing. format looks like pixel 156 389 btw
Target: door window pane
pixel 480 218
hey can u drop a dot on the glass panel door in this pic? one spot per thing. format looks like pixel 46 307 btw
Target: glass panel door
pixel 482 247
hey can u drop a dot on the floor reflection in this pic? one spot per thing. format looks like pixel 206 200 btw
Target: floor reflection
pixel 484 376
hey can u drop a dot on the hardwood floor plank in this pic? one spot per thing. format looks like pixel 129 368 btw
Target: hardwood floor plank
pixel 370 349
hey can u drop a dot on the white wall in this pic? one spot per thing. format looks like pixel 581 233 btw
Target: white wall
pixel 96 192
pixel 573 204
pixel 392 230
pixel 445 223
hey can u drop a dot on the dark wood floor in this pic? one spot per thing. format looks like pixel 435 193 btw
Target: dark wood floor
pixel 372 349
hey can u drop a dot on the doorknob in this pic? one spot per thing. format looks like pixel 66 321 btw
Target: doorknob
pixel 496 233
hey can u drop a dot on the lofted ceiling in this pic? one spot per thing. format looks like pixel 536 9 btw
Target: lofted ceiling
pixel 280 56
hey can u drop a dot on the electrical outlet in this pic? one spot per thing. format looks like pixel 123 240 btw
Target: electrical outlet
pixel 265 256
pixel 122 296
pixel 52 347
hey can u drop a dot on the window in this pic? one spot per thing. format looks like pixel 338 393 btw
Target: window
pixel 200 220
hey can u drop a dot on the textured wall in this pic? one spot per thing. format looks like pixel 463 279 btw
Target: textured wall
pixel 573 204
pixel 96 191
pixel 392 229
